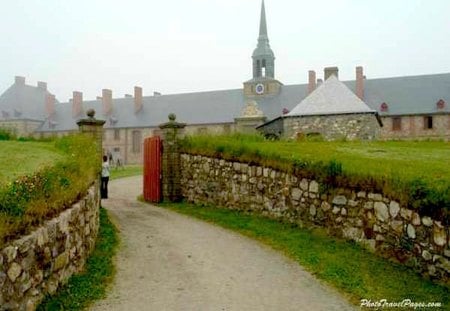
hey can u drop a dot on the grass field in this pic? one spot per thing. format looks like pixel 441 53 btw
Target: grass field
pixel 126 171
pixel 346 266
pixel 20 158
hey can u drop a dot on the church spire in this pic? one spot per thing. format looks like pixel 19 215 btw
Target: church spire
pixel 263 57
pixel 262 22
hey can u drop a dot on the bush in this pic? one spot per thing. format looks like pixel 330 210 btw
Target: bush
pixel 31 199
pixel 6 134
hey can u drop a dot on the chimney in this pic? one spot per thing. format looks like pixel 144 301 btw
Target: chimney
pixel 156 93
pixel 42 85
pixel 137 99
pixel 107 102
pixel 50 105
pixel 311 81
pixel 77 104
pixel 331 71
pixel 128 96
pixel 19 80
pixel 359 82
pixel 99 98
pixel 319 82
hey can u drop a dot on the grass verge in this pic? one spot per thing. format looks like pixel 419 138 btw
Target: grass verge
pixel 126 171
pixel 83 289
pixel 346 266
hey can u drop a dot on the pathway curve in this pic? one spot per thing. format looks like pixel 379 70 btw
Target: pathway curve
pixel 169 261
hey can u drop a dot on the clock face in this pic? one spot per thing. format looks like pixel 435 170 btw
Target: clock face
pixel 260 88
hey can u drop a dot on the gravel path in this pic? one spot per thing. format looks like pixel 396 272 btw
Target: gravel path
pixel 169 261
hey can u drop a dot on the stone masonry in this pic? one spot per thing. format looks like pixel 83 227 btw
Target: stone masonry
pixel 376 222
pixel 37 264
pixel 334 127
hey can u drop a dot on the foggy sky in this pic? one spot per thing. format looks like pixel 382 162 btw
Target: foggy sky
pixel 179 46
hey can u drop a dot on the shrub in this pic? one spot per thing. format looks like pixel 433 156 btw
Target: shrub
pixel 31 199
pixel 6 134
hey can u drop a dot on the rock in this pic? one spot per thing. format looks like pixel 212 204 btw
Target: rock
pixel 296 194
pixel 406 213
pixel 439 236
pixel 336 210
pixel 352 233
pixel 444 264
pixel 352 203
pixel 10 253
pixel 237 166
pixel 426 255
pixel 61 261
pixel 340 200
pixel 325 206
pixel 375 196
pixel 446 253
pixel 368 205
pixel 381 211
pixel 313 186
pixel 394 208
pixel 431 270
pixel 343 212
pixel 361 194
pixel 14 271
pixel 2 279
pixel 273 174
pixel 427 221
pixel 411 231
pixel 258 171
pixel 304 184
pixel 397 226
pixel 415 219
pixel 379 237
pixel 312 210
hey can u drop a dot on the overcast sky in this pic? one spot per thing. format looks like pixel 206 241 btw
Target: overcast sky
pixel 178 46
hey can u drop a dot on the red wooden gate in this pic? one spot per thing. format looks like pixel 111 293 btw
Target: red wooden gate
pixel 152 169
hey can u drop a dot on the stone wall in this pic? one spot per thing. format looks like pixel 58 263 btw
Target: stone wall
pixel 378 223
pixel 40 262
pixel 333 127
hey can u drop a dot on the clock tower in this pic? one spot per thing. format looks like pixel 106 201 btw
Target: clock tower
pixel 263 81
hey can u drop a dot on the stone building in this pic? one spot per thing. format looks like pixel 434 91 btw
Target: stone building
pixel 409 107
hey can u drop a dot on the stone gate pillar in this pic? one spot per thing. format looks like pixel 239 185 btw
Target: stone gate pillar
pixel 94 127
pixel 171 163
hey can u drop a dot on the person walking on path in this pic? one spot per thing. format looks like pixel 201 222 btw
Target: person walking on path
pixel 105 178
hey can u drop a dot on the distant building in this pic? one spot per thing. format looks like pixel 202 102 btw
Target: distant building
pixel 409 107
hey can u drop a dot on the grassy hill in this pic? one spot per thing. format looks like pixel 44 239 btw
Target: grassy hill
pixel 20 158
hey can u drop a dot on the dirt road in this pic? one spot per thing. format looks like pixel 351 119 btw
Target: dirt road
pixel 169 261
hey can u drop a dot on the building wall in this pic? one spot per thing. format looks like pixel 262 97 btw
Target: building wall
pixel 132 153
pixel 21 127
pixel 37 264
pixel 412 127
pixel 333 127
pixel 373 220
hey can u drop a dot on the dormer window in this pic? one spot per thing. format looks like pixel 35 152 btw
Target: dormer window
pixel 384 107
pixel 440 104
pixel 285 111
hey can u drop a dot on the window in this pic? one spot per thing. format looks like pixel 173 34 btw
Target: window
pixel 137 140
pixel 428 122
pixel 440 104
pixel 384 107
pixel 116 149
pixel 397 124
pixel 116 134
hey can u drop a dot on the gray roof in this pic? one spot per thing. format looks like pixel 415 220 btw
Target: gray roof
pixel 21 101
pixel 403 95
pixel 332 97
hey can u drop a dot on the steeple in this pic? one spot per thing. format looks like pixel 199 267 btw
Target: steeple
pixel 263 57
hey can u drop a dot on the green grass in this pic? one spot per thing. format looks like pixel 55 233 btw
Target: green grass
pixel 85 288
pixel 346 266
pixel 126 171
pixel 21 158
